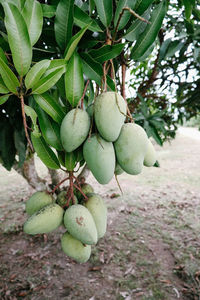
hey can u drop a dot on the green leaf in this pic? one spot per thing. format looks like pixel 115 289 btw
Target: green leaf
pixel 35 73
pixel 45 153
pixel 150 33
pixel 20 145
pixel 50 106
pixel 82 19
pixel 49 11
pixel 54 65
pixel 50 129
pixel 74 42
pixel 64 22
pixel 74 82
pixel 3 88
pixel 33 15
pixel 106 52
pixel 18 38
pixel 45 83
pixel 188 8
pixel 3 56
pixel 147 53
pixel 142 5
pixel 9 77
pixel 151 131
pixel 136 28
pixel 105 11
pixel 126 15
pixel 70 160
pixel 3 99
pixel 93 70
pixel 29 111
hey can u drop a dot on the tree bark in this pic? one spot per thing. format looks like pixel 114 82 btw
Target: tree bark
pixel 28 171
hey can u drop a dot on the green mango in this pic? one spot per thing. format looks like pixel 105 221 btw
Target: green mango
pixel 131 148
pixel 100 158
pixel 150 156
pixel 118 169
pixel 37 201
pixel 62 200
pixel 74 248
pixel 86 189
pixel 90 110
pixel 98 210
pixel 45 220
pixel 80 224
pixel 110 113
pixel 74 129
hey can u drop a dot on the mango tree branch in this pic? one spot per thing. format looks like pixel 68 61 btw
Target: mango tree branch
pixel 133 13
pixel 25 124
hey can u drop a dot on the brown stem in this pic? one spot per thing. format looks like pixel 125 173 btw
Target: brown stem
pixel 86 198
pixel 133 13
pixel 25 124
pixel 84 92
pixel 55 188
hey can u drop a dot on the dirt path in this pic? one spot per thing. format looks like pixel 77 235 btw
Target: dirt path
pixel 151 249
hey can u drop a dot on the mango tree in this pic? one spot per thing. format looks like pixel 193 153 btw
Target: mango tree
pixel 63 70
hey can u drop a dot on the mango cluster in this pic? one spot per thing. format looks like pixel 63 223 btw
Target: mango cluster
pixel 113 146
pixel 85 222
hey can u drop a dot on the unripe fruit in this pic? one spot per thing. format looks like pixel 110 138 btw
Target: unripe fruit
pixel 62 199
pixel 100 158
pixel 86 189
pixel 110 113
pixel 80 224
pixel 118 169
pixel 45 220
pixel 75 249
pixel 131 148
pixel 98 210
pixel 74 129
pixel 150 156
pixel 37 201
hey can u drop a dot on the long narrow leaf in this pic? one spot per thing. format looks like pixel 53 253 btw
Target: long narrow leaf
pixel 50 106
pixel 3 88
pixel 45 83
pixel 35 73
pixel 18 38
pixel 149 35
pixel 3 99
pixel 93 70
pixel 9 77
pixel 33 15
pixel 74 42
pixel 82 19
pixel 74 82
pixel 64 22
pixel 50 129
pixel 45 153
pixel 105 11
pixel 106 52
pixel 3 56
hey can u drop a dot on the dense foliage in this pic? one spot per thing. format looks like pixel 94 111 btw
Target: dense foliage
pixel 50 50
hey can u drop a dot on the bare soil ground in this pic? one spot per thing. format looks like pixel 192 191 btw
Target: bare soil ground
pixel 151 249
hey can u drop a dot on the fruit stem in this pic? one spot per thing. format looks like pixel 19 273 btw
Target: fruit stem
pixel 57 186
pixel 86 198
pixel 84 92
